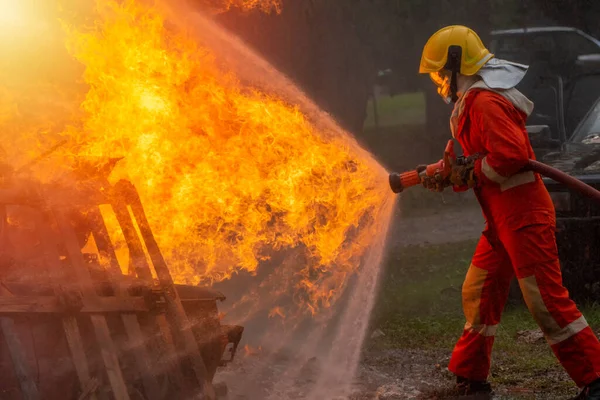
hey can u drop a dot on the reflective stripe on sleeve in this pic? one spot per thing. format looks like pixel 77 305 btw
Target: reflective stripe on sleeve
pixel 517 180
pixel 506 183
pixel 490 173
pixel 570 330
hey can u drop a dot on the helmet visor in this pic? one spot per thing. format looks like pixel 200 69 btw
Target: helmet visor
pixel 441 79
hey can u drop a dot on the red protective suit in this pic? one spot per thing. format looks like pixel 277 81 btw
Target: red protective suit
pixel 519 239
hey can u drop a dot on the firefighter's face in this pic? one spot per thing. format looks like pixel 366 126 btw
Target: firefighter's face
pixel 441 79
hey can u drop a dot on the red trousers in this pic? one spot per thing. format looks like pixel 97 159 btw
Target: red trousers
pixel 529 252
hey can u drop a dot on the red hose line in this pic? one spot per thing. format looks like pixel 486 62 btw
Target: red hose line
pixel 565 179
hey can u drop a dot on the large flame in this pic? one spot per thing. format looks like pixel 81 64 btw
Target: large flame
pixel 228 174
pixel 263 5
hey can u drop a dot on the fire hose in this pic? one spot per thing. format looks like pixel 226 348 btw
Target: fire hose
pixel 443 168
pixel 565 179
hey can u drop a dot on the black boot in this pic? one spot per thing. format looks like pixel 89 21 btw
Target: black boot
pixel 472 389
pixel 590 392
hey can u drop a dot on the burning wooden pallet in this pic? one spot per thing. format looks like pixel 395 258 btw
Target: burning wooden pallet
pixel 128 335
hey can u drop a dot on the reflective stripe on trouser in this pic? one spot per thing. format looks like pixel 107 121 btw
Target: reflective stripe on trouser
pixel 531 251
pixel 484 292
pixel 566 330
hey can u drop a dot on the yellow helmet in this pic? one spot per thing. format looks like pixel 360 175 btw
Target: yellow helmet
pixel 457 41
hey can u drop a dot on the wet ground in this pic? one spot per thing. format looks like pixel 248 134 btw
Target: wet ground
pixel 391 374
pixel 443 225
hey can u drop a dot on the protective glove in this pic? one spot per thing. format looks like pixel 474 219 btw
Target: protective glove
pixel 463 173
pixel 435 183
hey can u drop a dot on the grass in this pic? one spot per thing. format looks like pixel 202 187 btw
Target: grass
pixel 419 307
pixel 421 288
pixel 404 109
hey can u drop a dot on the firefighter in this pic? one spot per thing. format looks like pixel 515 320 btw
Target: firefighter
pixel 488 120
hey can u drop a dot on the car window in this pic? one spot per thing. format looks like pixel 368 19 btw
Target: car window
pixel 545 100
pixel 589 129
pixel 543 42
pixel 574 44
pixel 580 96
pixel 526 48
pixel 510 47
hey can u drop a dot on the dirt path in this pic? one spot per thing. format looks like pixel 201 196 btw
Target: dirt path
pixel 440 226
pixel 422 375
pixel 383 375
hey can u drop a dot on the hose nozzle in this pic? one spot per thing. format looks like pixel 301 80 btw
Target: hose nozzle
pixel 395 183
pixel 399 182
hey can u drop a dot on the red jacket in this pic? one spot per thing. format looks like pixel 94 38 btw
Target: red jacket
pixel 489 124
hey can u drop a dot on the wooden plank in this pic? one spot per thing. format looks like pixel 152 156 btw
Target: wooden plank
pixel 136 250
pixel 82 277
pixel 15 347
pixel 109 355
pixel 114 304
pixel 130 321
pixel 175 312
pixel 90 390
pixel 77 350
pixel 17 354
pixel 70 327
pixel 104 245
pixel 29 304
pixel 50 304
pixel 138 347
pixel 170 362
pixel 98 305
pixel 164 343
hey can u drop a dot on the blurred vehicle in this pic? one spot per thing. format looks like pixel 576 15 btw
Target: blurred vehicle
pixel 578 154
pixel 562 50
pixel 555 53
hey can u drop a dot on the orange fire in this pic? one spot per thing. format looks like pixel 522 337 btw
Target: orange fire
pixel 263 5
pixel 228 174
pixel 251 351
pixel 277 312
